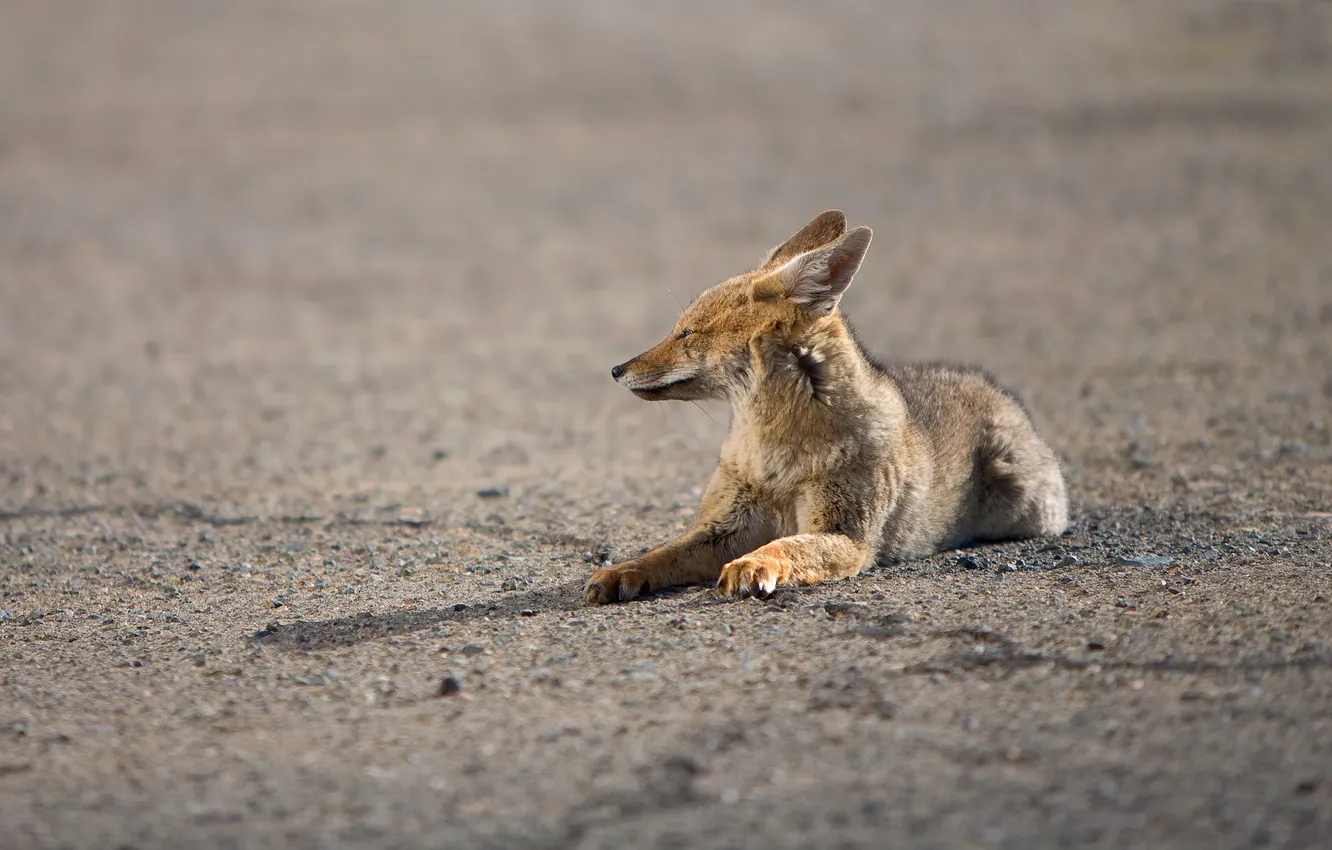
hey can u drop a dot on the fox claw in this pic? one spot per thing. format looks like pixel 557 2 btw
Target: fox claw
pixel 614 584
pixel 755 574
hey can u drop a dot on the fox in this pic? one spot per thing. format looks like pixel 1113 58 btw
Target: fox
pixel 833 460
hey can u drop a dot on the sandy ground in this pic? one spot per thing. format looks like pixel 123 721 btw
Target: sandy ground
pixel 306 312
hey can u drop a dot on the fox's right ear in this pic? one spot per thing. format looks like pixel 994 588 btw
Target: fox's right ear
pixel 826 227
pixel 816 280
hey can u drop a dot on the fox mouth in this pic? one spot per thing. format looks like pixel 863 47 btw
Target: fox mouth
pixel 660 391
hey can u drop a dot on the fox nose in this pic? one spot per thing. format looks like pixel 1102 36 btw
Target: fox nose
pixel 617 371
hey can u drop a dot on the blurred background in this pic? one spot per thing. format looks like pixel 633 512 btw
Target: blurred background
pixel 307 310
pixel 336 255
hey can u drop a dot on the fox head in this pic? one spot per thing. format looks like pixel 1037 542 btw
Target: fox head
pixel 708 352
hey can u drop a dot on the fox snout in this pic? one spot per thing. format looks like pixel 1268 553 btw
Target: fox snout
pixel 658 375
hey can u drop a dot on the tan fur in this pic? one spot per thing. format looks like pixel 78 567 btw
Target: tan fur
pixel 832 461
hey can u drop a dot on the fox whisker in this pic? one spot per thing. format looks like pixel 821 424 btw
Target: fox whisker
pixel 677 301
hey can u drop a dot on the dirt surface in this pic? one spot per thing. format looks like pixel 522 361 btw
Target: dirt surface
pixel 306 312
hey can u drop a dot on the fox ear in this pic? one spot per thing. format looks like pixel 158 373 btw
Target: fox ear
pixel 817 279
pixel 826 227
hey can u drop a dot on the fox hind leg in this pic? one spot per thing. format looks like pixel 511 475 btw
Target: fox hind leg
pixel 1023 493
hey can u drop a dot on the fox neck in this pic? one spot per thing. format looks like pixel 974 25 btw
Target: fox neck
pixel 804 381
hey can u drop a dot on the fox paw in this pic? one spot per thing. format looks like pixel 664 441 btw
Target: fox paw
pixel 755 574
pixel 619 583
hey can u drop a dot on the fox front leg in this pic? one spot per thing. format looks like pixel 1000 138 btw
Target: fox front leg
pixel 728 525
pixel 798 559
pixel 694 558
pixel 840 540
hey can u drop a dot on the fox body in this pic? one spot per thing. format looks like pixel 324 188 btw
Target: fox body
pixel 833 461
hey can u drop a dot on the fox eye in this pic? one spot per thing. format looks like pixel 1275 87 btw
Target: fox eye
pixel 684 333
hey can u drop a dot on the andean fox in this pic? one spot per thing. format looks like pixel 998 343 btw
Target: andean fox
pixel 833 460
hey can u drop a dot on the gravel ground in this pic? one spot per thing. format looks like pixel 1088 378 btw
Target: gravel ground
pixel 307 441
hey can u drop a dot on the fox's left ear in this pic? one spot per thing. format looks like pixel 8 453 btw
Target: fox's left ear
pixel 822 230
pixel 817 279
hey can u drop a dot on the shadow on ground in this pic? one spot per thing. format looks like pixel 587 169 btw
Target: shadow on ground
pixel 346 631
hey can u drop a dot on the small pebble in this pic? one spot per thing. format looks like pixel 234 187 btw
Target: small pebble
pixel 450 685
pixel 1147 561
pixel 493 492
pixel 473 649
pixel 839 608
pixel 267 630
pixel 971 562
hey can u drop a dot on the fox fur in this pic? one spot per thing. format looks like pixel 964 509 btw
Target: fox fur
pixel 833 460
